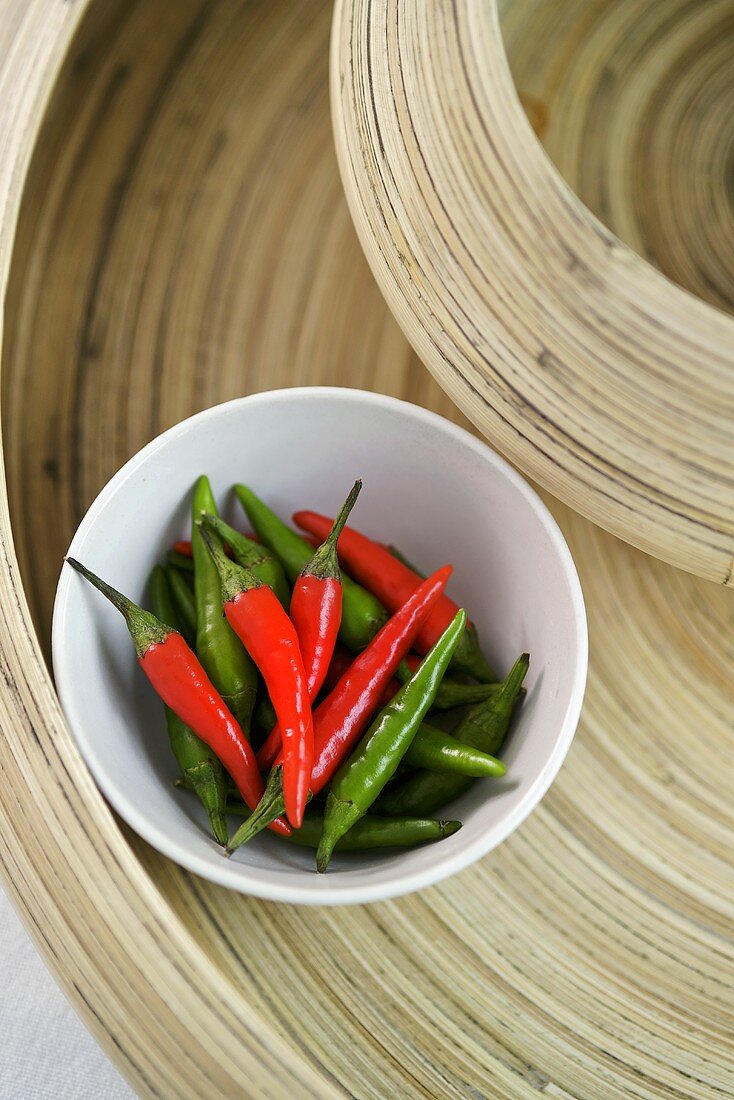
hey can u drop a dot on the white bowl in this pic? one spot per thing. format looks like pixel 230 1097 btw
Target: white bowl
pixel 431 489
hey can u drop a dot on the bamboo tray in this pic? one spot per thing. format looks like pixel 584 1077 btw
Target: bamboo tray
pixel 596 374
pixel 183 238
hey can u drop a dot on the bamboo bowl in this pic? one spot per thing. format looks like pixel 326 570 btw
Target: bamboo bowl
pixel 175 234
pixel 593 350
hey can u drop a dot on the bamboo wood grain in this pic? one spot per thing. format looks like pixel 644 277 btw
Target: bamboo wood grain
pixel 183 238
pixel 599 377
pixel 633 102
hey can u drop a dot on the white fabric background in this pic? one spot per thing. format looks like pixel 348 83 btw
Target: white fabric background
pixel 46 1053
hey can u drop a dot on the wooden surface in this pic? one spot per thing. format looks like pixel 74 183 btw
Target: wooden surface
pixel 595 374
pixel 184 239
pixel 634 102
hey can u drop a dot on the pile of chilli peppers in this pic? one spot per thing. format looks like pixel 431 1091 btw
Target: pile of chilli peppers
pixel 286 681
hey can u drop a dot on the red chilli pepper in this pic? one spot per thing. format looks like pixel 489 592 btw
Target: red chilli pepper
pixel 393 686
pixel 316 613
pixel 340 720
pixel 314 540
pixel 340 662
pixel 183 546
pixel 257 617
pixel 183 685
pixel 392 582
pixel 390 690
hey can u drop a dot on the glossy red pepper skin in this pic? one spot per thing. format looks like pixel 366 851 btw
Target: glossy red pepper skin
pixel 412 660
pixel 268 635
pixel 257 617
pixel 316 608
pixel 390 690
pixel 372 565
pixel 316 611
pixel 341 659
pixel 174 671
pixel 391 580
pixel 179 679
pixel 340 720
pixel 181 682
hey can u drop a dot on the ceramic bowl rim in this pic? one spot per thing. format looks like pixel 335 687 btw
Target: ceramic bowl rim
pixel 235 876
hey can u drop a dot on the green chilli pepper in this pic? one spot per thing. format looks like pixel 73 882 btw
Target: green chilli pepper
pixel 369 832
pixel 483 728
pixel 233 794
pixel 261 562
pixel 451 693
pixel 183 600
pixel 362 777
pixel 468 658
pixel 180 561
pixel 225 659
pixel 199 765
pixel 437 751
pixel 362 614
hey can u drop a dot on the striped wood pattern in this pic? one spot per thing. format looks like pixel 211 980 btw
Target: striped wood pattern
pixel 595 374
pixel 184 239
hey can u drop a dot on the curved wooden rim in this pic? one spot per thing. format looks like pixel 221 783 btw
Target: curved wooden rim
pixel 597 376
pixel 591 949
pixel 156 981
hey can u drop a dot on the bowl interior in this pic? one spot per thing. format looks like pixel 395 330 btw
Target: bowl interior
pixel 430 489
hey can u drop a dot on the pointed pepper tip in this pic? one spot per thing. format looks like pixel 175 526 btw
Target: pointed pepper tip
pixel 219 829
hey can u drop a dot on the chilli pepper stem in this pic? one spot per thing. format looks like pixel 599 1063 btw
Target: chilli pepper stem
pixel 369 832
pixel 316 612
pixel 325 562
pixel 199 765
pixel 483 728
pixel 340 719
pixel 270 806
pixel 362 614
pixel 182 683
pixel 254 556
pixel 258 619
pixel 235 579
pixel 145 629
